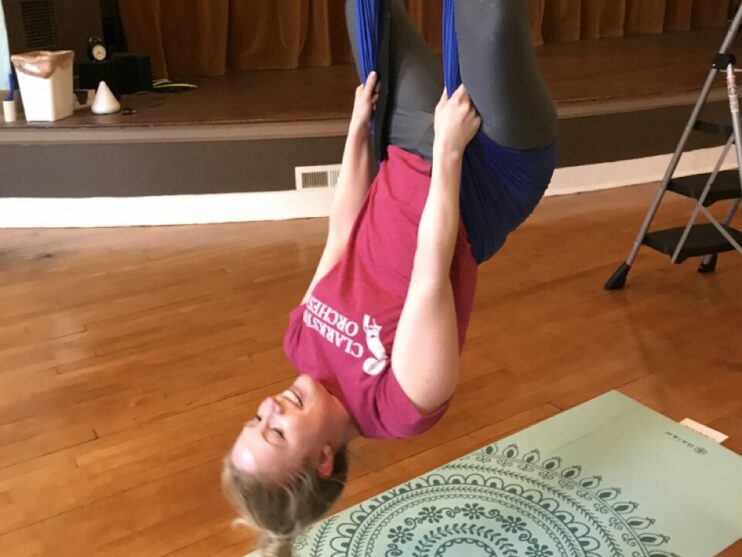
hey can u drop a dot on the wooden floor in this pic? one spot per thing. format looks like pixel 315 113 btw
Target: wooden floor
pixel 585 77
pixel 130 358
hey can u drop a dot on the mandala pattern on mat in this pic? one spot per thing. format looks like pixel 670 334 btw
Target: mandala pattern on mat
pixel 492 503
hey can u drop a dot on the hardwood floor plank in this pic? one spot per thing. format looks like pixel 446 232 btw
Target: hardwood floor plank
pixel 174 336
pixel 37 436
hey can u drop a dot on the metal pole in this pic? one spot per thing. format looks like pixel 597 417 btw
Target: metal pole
pixel 618 279
pixel 733 209
pixel 709 262
pixel 736 23
pixel 701 200
pixel 723 231
pixel 671 169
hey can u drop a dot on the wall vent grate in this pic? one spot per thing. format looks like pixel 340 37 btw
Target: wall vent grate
pixel 317 177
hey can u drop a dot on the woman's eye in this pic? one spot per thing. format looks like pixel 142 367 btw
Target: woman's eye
pixel 278 432
pixel 257 417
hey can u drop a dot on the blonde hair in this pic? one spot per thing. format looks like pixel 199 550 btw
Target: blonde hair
pixel 281 510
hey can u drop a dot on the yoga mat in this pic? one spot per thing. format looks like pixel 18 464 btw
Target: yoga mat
pixel 608 478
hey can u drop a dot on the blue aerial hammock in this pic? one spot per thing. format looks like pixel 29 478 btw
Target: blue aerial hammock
pixel 499 186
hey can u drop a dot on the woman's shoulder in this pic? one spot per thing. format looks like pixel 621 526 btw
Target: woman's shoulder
pixel 399 416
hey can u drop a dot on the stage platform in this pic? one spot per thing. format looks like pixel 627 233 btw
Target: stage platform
pixel 618 99
pixel 586 78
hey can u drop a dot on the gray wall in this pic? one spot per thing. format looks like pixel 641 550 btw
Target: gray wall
pixel 268 165
pixel 139 169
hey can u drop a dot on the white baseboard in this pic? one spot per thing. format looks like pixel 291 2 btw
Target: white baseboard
pixel 603 176
pixel 243 207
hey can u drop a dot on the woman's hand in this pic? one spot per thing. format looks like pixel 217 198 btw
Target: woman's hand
pixel 456 122
pixel 365 102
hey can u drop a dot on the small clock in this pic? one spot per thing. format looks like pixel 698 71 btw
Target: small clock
pixel 97 50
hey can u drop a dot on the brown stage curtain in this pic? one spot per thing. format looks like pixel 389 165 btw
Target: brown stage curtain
pixel 645 16
pixel 208 37
pixel 428 17
pixel 183 37
pixel 602 18
pixel 562 20
pixel 286 34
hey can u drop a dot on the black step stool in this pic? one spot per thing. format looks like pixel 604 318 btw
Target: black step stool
pixel 699 240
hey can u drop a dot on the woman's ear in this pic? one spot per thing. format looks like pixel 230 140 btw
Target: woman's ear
pixel 326 462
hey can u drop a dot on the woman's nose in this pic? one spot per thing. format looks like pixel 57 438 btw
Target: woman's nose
pixel 276 406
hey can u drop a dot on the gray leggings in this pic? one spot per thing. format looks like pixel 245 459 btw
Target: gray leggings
pixel 498 67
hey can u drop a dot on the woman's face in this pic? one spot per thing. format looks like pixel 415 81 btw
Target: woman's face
pixel 288 428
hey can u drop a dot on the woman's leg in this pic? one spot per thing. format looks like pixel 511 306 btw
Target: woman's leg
pixel 416 80
pixel 505 176
pixel 499 69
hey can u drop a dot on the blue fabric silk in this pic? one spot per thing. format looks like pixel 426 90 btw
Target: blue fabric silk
pixel 500 187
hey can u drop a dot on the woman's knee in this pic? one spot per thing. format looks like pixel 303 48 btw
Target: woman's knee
pixel 351 26
pixel 499 68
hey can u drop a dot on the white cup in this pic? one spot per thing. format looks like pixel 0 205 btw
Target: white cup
pixel 9 111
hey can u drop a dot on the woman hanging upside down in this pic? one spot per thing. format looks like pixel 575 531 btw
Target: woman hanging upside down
pixel 378 335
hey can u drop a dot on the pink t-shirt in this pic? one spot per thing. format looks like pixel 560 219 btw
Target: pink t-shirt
pixel 343 336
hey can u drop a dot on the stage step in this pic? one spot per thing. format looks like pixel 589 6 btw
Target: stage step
pixel 725 186
pixel 724 130
pixel 704 239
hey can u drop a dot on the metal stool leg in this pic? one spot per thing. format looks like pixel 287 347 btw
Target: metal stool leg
pixel 618 279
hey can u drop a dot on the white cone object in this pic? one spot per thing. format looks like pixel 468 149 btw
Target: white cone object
pixel 105 102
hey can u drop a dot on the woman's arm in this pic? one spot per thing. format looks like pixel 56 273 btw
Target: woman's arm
pixel 353 181
pixel 425 356
pixel 330 256
pixel 356 168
